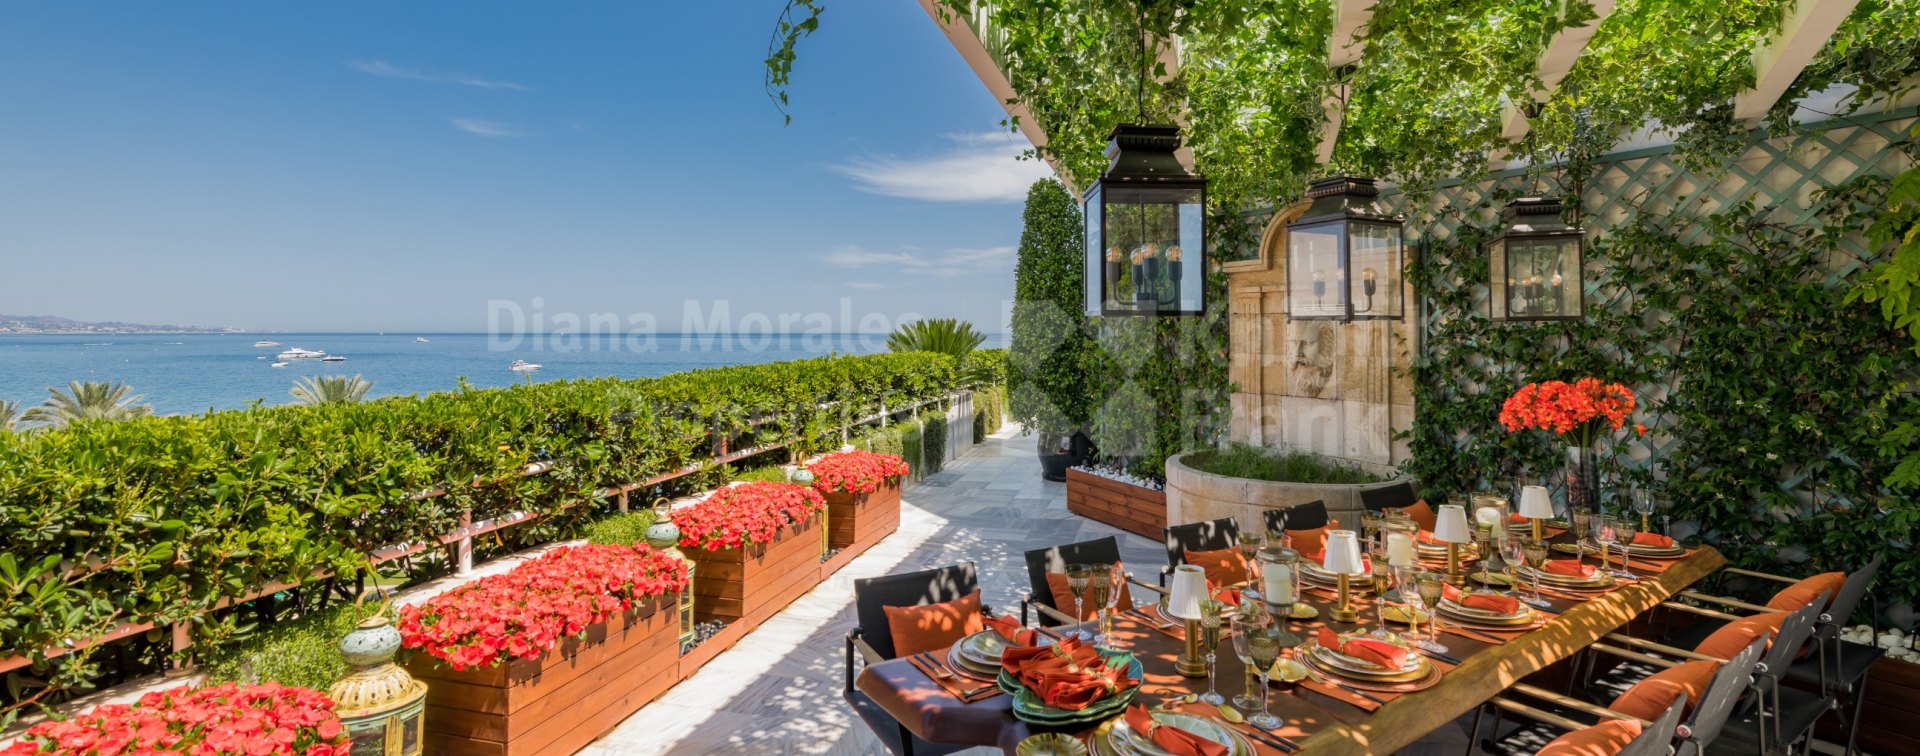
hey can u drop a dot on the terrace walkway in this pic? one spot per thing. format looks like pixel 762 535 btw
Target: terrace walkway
pixel 778 690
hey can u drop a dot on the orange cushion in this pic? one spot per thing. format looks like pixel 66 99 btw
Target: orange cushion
pixel 1309 541
pixel 1604 739
pixel 1223 566
pixel 931 627
pixel 1804 592
pixel 1063 595
pixel 1738 634
pixel 1422 515
pixel 1649 697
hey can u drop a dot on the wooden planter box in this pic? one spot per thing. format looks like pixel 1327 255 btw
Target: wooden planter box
pixel 560 702
pixel 747 585
pixel 1127 507
pixel 857 521
pixel 1887 716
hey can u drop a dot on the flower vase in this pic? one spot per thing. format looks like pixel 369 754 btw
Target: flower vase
pixel 1583 478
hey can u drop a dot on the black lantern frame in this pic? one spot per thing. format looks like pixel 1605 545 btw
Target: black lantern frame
pixel 1146 229
pixel 1538 263
pixel 1321 248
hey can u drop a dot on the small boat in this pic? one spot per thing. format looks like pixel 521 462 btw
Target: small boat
pixel 278 364
pixel 523 366
pixel 297 353
pixel 333 358
pixel 419 339
pixel 266 343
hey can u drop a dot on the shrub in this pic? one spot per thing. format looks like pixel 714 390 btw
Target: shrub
pixel 302 652
pixel 1053 353
pixel 1256 463
pixel 769 473
pixel 619 529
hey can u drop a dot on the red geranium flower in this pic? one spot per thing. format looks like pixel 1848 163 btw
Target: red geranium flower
pixel 745 514
pixel 220 719
pixel 856 471
pixel 1577 411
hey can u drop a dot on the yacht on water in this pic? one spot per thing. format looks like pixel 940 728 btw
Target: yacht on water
pixel 333 358
pixel 523 366
pixel 266 343
pixel 420 339
pixel 278 364
pixel 297 353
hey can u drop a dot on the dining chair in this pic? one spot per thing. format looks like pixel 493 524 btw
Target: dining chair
pixel 1308 516
pixel 1696 730
pixel 1211 535
pixel 871 639
pixel 1654 739
pixel 1397 496
pixel 1055 559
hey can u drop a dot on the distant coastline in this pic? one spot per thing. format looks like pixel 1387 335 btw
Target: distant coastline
pixel 28 324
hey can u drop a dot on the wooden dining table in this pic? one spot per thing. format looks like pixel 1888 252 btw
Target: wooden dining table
pixel 1317 719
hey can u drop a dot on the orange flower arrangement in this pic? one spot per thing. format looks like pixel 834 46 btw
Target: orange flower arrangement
pixel 1577 411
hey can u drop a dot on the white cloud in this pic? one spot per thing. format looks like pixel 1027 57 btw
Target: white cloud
pixel 979 167
pixel 915 261
pixel 385 70
pixel 490 129
pixel 866 285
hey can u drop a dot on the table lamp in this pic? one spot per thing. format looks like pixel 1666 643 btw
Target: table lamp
pixel 1188 588
pixel 1343 560
pixel 1450 527
pixel 1536 506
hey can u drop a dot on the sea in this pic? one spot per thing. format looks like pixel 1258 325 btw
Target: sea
pixel 194 373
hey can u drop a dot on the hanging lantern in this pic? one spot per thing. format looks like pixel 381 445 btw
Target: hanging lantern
pixel 1345 254
pixel 1146 235
pixel 1537 264
pixel 380 704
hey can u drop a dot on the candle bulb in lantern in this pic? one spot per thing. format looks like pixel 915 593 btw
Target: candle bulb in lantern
pixel 1399 550
pixel 1276 582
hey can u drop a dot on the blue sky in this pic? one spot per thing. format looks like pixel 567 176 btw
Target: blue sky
pixel 375 166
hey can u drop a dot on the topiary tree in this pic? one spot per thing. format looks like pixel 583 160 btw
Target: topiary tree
pixel 1053 354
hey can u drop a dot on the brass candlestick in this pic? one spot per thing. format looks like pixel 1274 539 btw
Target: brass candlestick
pixel 1454 576
pixel 1191 662
pixel 1536 530
pixel 1345 611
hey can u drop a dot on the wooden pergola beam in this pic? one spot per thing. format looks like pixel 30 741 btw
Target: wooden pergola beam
pixel 1554 63
pixel 1343 49
pixel 1779 61
pixel 961 35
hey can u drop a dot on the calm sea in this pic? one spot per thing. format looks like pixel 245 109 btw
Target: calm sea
pixel 190 373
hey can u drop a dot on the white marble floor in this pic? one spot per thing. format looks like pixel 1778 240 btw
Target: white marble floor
pixel 778 690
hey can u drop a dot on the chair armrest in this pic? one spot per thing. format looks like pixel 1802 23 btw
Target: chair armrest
pixel 1574 703
pixel 867 653
pixel 1138 583
pixel 1724 601
pixel 1055 614
pixel 1634 656
pixel 1762 575
pixel 1538 715
pixel 1661 648
pixel 1700 610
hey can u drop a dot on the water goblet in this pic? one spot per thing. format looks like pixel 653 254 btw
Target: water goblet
pixel 1581 518
pixel 1603 537
pixel 1264 649
pixel 1515 554
pixel 1643 505
pixel 1407 578
pixel 1210 621
pixel 1623 533
pixel 1430 586
pixel 1244 628
pixel 1249 542
pixel 1078 576
pixel 1116 582
pixel 1382 580
pixel 1536 553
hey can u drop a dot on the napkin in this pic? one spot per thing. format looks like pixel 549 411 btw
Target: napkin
pixel 1377 652
pixel 1010 629
pixel 1075 690
pixel 1569 568
pixel 1519 519
pixel 1172 739
pixel 1652 539
pixel 1492 602
pixel 1227 595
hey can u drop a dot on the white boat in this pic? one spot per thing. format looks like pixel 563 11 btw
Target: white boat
pixel 266 343
pixel 278 364
pixel 420 339
pixel 333 358
pixel 523 366
pixel 297 353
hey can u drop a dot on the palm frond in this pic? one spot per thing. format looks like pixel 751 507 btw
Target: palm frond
pixel 330 389
pixel 9 414
pixel 88 400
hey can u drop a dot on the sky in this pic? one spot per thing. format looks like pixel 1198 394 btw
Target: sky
pixel 453 166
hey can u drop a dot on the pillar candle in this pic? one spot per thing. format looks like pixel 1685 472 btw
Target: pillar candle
pixel 1277 583
pixel 1399 550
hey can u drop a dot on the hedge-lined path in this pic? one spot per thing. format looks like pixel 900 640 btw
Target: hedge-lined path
pixel 779 690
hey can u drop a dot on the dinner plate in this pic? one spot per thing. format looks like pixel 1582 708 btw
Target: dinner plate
pixel 1121 738
pixel 974 669
pixel 1600 579
pixel 1354 664
pixel 1454 611
pixel 1323 659
pixel 1429 678
pixel 984 646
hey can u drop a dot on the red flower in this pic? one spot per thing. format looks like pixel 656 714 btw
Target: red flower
pixel 1576 410
pixel 856 471
pixel 221 719
pixel 745 514
pixel 525 612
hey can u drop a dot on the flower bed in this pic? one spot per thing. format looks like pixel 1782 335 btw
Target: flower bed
pixel 862 490
pixel 549 656
pixel 221 719
pixel 755 548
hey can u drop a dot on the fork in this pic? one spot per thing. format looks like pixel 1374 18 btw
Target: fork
pixel 939 670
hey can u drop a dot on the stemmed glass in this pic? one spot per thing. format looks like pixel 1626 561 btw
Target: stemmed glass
pixel 1264 649
pixel 1210 620
pixel 1515 554
pixel 1535 553
pixel 1429 586
pixel 1100 579
pixel 1369 527
pixel 1643 505
pixel 1245 627
pixel 1116 580
pixel 1603 536
pixel 1078 576
pixel 1581 518
pixel 1382 580
pixel 1249 542
pixel 1623 533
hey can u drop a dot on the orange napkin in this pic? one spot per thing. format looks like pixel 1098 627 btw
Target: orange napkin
pixel 1518 519
pixel 1173 739
pixel 1228 595
pixel 1075 690
pixel 1378 652
pixel 1010 629
pixel 1492 602
pixel 1426 536
pixel 1569 568
pixel 1652 539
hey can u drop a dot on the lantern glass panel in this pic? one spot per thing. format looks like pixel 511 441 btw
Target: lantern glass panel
pixel 1102 271
pixel 1150 254
pixel 1316 269
pixel 1374 273
pixel 1538 276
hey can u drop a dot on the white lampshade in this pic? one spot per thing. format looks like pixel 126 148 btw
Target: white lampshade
pixel 1451 526
pixel 1343 553
pixel 1535 504
pixel 1188 589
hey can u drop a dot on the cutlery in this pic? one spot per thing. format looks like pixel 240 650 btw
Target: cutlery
pixel 1236 723
pixel 1316 676
pixel 1439 657
pixel 1282 739
pixel 1143 617
pixel 939 670
pixel 1268 739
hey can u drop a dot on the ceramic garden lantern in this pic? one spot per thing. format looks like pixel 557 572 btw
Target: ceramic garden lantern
pixel 380 704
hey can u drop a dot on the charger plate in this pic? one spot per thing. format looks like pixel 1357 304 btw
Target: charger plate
pixel 1431 679
pixel 1117 738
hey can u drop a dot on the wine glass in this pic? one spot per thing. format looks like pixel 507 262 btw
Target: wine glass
pixel 1244 628
pixel 1623 533
pixel 1078 576
pixel 1369 526
pixel 1581 518
pixel 1536 553
pixel 1407 578
pixel 1249 542
pixel 1116 581
pixel 1264 650
pixel 1643 505
pixel 1382 580
pixel 1603 536
pixel 1210 620
pixel 1514 553
pixel 1099 581
pixel 1430 586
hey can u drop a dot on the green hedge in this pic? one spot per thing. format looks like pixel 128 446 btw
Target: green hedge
pixel 159 519
pixel 303 652
pixel 619 529
pixel 989 411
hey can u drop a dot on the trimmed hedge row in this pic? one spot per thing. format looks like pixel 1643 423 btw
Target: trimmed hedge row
pixel 160 519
